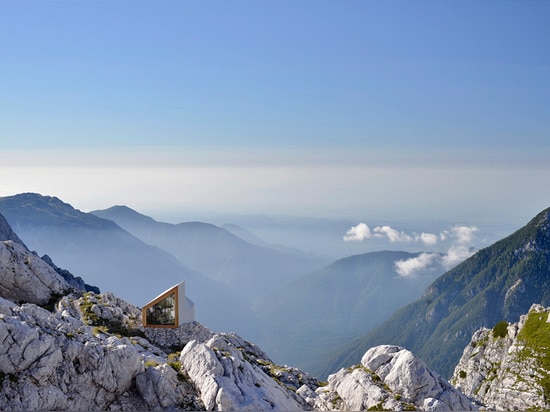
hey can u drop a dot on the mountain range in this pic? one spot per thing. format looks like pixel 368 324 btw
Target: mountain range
pixel 322 319
pixel 246 268
pixel 499 282
pixel 263 291
pixel 66 349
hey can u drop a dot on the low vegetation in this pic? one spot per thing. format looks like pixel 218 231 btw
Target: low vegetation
pixel 101 324
pixel 500 330
pixel 536 336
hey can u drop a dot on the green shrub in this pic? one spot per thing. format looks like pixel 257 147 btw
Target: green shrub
pixel 500 330
pixel 462 374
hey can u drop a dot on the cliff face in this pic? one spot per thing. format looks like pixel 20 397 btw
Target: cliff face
pixel 508 367
pixel 27 278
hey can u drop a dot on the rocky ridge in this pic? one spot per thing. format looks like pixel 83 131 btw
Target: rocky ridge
pixel 389 378
pixel 26 277
pixel 87 351
pixel 508 367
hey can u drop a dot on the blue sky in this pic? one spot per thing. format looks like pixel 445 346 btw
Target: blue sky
pixel 405 109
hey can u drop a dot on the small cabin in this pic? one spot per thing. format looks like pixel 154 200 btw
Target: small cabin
pixel 170 309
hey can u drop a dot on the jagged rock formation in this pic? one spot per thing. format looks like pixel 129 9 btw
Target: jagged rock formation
pixel 168 338
pixel 388 378
pixel 78 358
pixel 229 376
pixel 7 233
pixel 26 277
pixel 508 367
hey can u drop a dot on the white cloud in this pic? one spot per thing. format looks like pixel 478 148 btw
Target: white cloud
pixel 392 234
pixel 464 234
pixel 410 267
pixel 455 255
pixel 460 234
pixel 426 261
pixel 428 238
pixel 358 233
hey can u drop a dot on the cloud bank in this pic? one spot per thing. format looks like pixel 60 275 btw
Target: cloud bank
pixel 461 234
pixel 460 237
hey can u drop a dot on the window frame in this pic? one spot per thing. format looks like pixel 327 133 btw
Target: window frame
pixel 173 290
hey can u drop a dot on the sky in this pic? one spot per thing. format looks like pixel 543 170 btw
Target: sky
pixel 351 109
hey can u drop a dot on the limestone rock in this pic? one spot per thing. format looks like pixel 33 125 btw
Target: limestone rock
pixel 24 277
pixel 48 365
pixel 106 309
pixel 226 372
pixel 168 338
pixel 389 378
pixel 508 370
pixel 6 232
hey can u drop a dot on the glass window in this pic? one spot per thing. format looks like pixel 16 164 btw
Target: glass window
pixel 163 312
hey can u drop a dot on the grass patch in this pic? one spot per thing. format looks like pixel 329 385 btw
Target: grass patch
pixel 175 365
pixel 151 363
pixel 535 334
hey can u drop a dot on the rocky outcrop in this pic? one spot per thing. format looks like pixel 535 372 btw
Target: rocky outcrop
pixel 229 374
pixel 508 367
pixel 27 278
pixel 88 354
pixel 389 378
pixel 50 362
pixel 59 361
pixel 169 338
pixel 6 232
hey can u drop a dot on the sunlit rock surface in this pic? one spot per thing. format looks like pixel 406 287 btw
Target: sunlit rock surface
pixel 508 368
pixel 389 378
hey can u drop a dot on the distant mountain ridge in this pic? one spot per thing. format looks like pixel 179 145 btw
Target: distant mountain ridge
pixel 248 268
pixel 499 282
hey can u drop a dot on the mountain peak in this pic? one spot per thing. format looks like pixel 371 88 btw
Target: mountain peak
pixel 124 215
pixel 46 210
